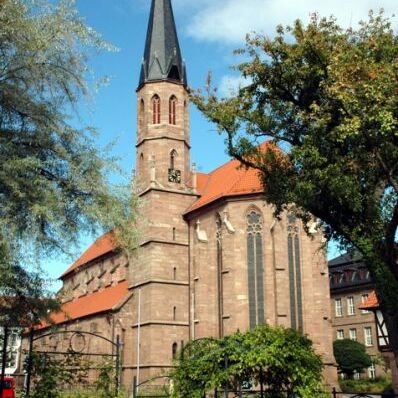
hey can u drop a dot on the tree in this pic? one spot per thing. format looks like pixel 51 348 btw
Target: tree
pixel 326 98
pixel 351 356
pixel 281 360
pixel 54 182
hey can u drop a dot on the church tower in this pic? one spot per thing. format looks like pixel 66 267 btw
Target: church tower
pixel 159 275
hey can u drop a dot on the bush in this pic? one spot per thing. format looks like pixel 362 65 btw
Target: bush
pixel 351 356
pixel 377 385
pixel 280 359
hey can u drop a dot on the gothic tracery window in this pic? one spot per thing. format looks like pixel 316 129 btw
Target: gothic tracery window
pixel 156 109
pixel 295 290
pixel 255 267
pixel 172 109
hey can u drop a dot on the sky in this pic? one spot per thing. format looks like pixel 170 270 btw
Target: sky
pixel 209 31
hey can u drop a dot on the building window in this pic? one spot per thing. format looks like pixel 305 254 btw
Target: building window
pixel 357 376
pixel 372 371
pixel 353 334
pixel 156 109
pixel 367 331
pixel 350 306
pixel 293 247
pixel 255 267
pixel 340 334
pixel 338 307
pixel 364 298
pixel 172 110
pixel 174 348
pixel 175 273
pixel 141 114
pixel 174 313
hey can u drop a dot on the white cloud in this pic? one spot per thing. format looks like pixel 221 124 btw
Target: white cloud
pixel 230 20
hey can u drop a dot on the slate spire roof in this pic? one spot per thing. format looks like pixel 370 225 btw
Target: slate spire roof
pixel 162 56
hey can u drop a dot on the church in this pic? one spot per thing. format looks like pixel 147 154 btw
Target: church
pixel 212 258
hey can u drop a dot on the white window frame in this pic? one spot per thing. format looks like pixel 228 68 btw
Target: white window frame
pixel 372 371
pixel 340 334
pixel 350 306
pixel 353 334
pixel 368 337
pixel 364 298
pixel 338 306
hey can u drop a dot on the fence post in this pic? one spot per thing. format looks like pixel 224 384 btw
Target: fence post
pixel 4 359
pixel 117 373
pixel 29 363
pixel 134 386
pixel 334 392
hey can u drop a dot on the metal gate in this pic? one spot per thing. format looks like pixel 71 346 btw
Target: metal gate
pixel 74 343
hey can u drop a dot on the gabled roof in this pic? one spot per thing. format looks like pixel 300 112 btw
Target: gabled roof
pixel 371 303
pixel 231 179
pixel 103 245
pixel 162 55
pixel 95 303
pixel 346 258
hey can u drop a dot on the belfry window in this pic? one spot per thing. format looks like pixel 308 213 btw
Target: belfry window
pixel 295 291
pixel 156 109
pixel 172 109
pixel 255 267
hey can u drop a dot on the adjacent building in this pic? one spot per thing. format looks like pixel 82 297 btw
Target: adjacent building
pixel 350 288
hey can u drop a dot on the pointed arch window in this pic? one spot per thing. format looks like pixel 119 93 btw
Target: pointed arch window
pixel 172 109
pixel 141 115
pixel 174 349
pixel 255 267
pixel 295 291
pixel 156 109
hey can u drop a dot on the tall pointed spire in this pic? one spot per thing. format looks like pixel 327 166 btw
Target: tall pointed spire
pixel 162 56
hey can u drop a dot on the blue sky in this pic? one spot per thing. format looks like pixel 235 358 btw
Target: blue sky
pixel 209 31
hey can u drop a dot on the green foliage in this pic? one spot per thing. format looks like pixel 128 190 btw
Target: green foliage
pixel 351 356
pixel 105 383
pixel 377 385
pixel 54 182
pixel 281 359
pixel 67 376
pixel 47 373
pixel 326 98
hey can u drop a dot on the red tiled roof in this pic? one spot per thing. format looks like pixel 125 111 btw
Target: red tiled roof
pixel 371 303
pixel 201 181
pixel 103 245
pixel 228 180
pixel 91 304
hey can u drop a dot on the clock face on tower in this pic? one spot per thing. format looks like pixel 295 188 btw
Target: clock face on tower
pixel 175 176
